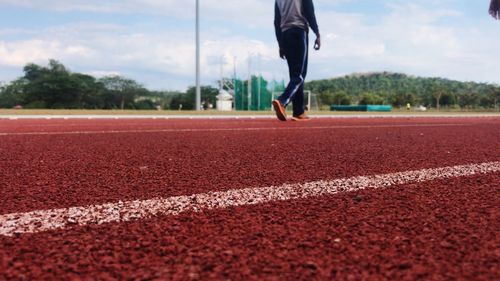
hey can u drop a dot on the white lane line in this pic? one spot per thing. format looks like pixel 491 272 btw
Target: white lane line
pixel 228 129
pixel 46 220
pixel 242 117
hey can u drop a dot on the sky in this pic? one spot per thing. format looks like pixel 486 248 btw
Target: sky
pixel 153 41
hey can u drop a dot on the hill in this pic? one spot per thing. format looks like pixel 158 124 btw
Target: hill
pixel 398 89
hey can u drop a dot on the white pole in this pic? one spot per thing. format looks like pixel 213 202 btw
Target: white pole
pixel 221 84
pixel 234 67
pixel 260 81
pixel 309 100
pixel 198 87
pixel 249 88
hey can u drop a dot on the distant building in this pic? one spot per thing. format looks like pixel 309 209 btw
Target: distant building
pixel 224 101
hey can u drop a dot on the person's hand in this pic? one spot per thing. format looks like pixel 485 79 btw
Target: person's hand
pixel 282 54
pixel 317 43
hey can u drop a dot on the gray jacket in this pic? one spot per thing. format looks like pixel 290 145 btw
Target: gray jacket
pixel 294 14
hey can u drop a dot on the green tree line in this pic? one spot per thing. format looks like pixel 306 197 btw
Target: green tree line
pixel 56 87
pixel 399 89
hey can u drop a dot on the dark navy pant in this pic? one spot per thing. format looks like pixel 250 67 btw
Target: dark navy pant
pixel 295 45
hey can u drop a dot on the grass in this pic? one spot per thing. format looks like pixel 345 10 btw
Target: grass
pixel 217 113
pixel 116 112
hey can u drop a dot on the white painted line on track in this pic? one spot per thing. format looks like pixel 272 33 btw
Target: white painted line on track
pixel 226 129
pixel 226 117
pixel 47 220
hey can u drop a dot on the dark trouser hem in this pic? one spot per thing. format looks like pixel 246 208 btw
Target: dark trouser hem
pixel 295 43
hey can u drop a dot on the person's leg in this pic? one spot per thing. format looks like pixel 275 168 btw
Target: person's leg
pixel 298 100
pixel 295 41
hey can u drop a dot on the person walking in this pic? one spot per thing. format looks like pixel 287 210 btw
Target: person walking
pixel 495 9
pixel 292 21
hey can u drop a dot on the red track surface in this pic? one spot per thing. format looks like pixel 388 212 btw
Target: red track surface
pixel 439 230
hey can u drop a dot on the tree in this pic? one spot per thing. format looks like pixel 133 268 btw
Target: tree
pixel 436 89
pixel 469 100
pixel 447 99
pixel 402 99
pixel 51 87
pixel 55 86
pixel 341 98
pixel 12 94
pixel 371 99
pixel 399 89
pixel 327 98
pixel 91 90
pixel 208 95
pixel 121 92
pixel 164 98
pixel 490 100
pixel 33 72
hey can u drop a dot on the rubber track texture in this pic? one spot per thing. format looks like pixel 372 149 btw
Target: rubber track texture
pixel 54 171
pixel 436 230
pixel 440 230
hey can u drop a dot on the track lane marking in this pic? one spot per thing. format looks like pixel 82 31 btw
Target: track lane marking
pixel 229 129
pixel 236 117
pixel 58 219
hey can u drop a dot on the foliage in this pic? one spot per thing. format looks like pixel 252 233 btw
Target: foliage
pixel 121 92
pixel 11 94
pixel 399 89
pixel 371 99
pixel 55 87
pixel 187 100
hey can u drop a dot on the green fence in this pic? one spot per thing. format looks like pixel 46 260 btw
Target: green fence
pixel 260 95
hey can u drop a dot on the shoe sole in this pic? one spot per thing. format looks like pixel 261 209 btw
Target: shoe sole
pixel 300 120
pixel 280 112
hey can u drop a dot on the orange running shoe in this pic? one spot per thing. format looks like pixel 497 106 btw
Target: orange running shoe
pixel 280 110
pixel 301 118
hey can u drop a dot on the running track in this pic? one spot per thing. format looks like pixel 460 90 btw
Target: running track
pixel 422 221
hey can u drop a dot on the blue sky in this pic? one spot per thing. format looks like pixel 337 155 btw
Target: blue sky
pixel 152 41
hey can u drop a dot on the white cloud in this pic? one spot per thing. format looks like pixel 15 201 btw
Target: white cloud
pixel 102 73
pixel 36 50
pixel 414 38
pixel 173 7
pixel 247 12
pixel 102 49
